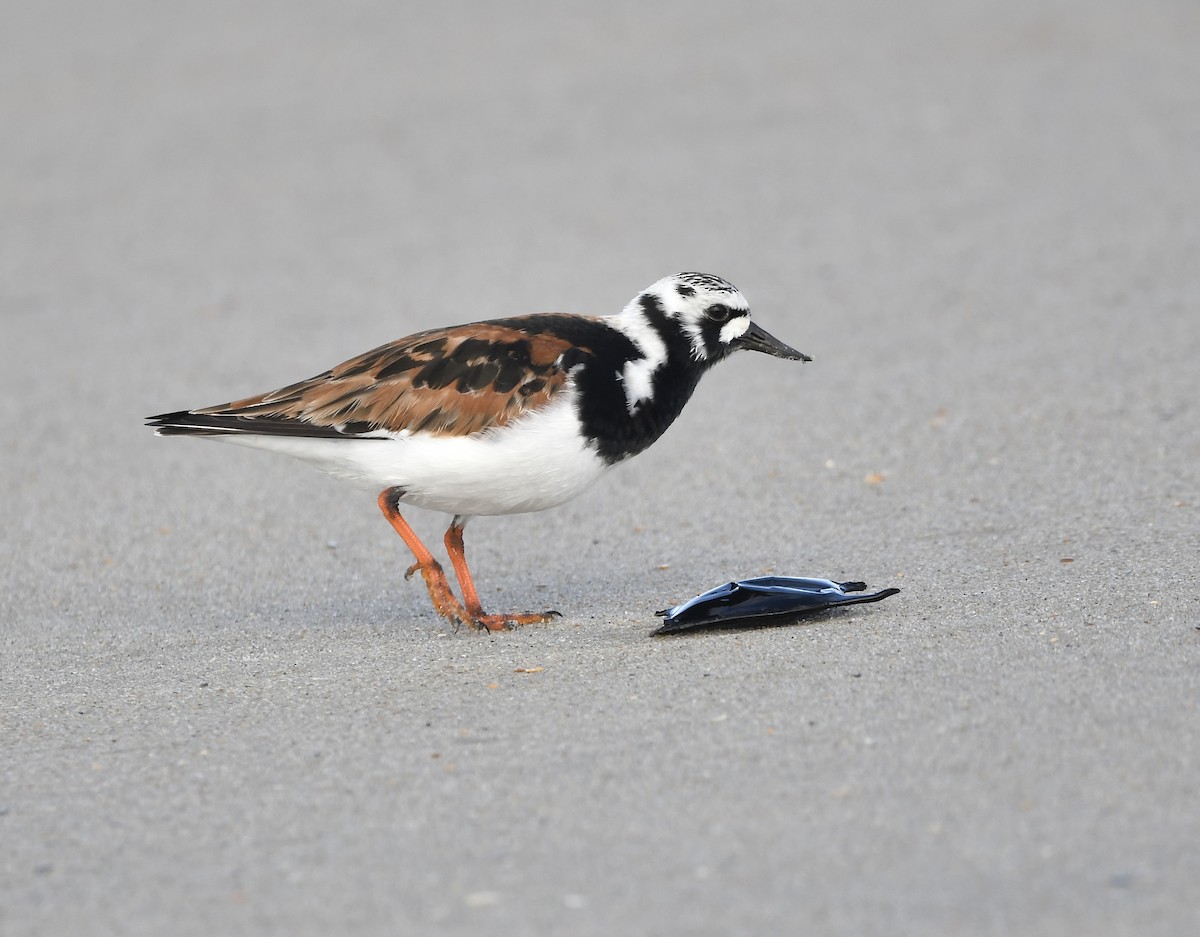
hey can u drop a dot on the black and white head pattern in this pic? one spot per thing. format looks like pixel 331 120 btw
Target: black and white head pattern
pixel 700 281
pixel 699 314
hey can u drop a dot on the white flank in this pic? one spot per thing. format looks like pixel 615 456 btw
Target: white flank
pixel 533 463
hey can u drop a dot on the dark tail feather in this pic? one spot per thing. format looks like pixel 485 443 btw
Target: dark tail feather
pixel 183 423
pixel 190 423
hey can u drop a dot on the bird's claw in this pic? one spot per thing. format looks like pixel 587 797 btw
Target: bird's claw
pixel 449 607
pixel 509 622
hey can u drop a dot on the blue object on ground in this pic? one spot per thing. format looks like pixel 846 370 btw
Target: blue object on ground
pixel 767 600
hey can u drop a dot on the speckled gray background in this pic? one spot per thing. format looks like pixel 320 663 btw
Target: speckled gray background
pixel 221 709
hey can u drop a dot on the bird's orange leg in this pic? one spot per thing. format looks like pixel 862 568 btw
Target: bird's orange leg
pixel 458 557
pixel 440 593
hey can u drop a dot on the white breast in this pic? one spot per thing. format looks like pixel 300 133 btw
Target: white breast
pixel 530 464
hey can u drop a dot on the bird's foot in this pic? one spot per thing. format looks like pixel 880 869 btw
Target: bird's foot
pixel 448 606
pixel 508 622
pixel 444 600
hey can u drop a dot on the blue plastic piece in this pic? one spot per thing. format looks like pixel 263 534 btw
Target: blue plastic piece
pixel 767 600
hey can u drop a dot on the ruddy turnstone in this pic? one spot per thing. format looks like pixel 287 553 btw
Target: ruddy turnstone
pixel 496 417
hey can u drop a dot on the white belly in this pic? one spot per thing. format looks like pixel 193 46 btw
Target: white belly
pixel 531 464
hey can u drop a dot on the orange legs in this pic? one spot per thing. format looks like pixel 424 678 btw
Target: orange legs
pixel 431 570
pixel 440 593
pixel 458 558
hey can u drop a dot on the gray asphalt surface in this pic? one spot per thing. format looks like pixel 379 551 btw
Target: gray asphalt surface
pixel 222 710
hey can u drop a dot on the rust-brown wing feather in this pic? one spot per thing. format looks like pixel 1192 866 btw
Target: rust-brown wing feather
pixel 451 382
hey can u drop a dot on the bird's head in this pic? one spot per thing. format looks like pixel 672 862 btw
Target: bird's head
pixel 712 315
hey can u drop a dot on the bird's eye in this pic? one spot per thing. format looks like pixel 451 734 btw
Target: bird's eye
pixel 719 312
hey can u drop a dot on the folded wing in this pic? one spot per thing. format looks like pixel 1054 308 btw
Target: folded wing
pixel 449 382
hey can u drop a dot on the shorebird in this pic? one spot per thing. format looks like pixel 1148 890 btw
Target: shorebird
pixel 496 417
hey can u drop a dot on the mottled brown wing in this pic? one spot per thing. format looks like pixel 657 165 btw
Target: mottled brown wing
pixel 450 382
